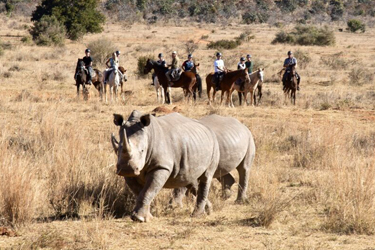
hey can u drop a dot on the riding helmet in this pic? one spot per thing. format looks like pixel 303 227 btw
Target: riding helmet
pixel 174 52
pixel 118 52
pixel 160 55
pixel 190 56
pixel 218 54
pixel 87 51
pixel 242 59
pixel 248 56
pixel 290 52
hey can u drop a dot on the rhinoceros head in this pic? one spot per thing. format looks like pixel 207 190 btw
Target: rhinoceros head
pixel 132 148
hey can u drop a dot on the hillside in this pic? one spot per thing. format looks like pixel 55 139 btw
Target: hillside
pixel 312 185
pixel 279 12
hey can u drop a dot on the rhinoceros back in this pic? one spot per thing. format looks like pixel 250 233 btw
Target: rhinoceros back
pixel 235 141
pixel 186 146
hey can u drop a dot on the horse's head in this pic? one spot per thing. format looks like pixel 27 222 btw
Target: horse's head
pixel 260 74
pixel 148 67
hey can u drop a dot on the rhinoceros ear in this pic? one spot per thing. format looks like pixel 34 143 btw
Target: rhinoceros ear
pixel 118 119
pixel 146 120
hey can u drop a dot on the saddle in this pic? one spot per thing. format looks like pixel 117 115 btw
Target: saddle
pixel 176 74
pixel 90 71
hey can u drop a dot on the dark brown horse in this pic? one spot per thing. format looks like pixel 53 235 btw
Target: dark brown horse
pixel 290 84
pixel 81 79
pixel 186 81
pixel 226 84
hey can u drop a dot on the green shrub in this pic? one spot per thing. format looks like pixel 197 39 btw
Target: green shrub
pixel 231 44
pixel 26 40
pixel 48 31
pixel 141 65
pixel 79 18
pixel 101 50
pixel 306 35
pixel 355 25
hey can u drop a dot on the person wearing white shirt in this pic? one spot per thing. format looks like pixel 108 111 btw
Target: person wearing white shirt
pixel 219 70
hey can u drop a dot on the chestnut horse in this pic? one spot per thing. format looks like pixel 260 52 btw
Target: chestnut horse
pixel 186 81
pixel 226 85
pixel 290 85
pixel 256 80
pixel 80 77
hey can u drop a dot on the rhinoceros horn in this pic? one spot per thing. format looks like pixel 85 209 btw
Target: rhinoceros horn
pixel 114 143
pixel 125 144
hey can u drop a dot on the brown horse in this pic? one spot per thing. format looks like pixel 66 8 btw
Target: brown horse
pixel 226 85
pixel 81 79
pixel 256 80
pixel 186 81
pixel 290 85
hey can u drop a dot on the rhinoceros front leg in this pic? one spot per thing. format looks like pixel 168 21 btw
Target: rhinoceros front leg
pixel 154 182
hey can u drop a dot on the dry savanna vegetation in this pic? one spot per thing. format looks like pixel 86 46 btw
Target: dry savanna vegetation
pixel 312 185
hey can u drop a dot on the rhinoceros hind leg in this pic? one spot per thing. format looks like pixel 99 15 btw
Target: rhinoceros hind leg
pixel 227 182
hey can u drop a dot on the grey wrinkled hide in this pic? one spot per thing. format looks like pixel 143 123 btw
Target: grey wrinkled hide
pixel 237 151
pixel 171 151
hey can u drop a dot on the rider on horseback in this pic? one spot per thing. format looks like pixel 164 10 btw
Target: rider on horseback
pixel 288 64
pixel 162 62
pixel 249 64
pixel 112 64
pixel 241 65
pixel 188 65
pixel 219 70
pixel 87 59
pixel 174 67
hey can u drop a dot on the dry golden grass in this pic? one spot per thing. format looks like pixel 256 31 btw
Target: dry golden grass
pixel 312 185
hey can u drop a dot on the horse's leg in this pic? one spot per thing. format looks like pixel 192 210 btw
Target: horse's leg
pixel 259 94
pixel 239 97
pixel 209 94
pixel 162 95
pixel 170 95
pixel 78 91
pixel 222 97
pixel 231 99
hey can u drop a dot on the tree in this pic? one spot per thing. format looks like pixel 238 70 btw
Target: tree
pixel 78 16
pixel 48 31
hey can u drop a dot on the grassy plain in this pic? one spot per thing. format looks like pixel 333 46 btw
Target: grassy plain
pixel 312 185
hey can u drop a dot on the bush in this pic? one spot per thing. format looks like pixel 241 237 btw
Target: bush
pixel 306 35
pixel 48 31
pixel 26 40
pixel 230 44
pixel 224 44
pixel 355 25
pixel 141 65
pixel 79 19
pixel 101 49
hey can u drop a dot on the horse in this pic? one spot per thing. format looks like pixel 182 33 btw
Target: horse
pixel 186 81
pixel 81 79
pixel 290 85
pixel 256 80
pixel 115 82
pixel 159 89
pixel 226 85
